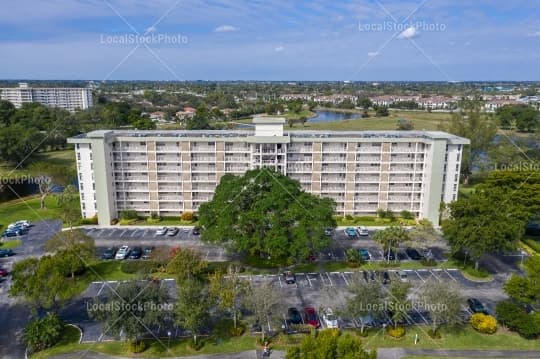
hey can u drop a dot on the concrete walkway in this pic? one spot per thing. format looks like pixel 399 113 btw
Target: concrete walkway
pixel 250 354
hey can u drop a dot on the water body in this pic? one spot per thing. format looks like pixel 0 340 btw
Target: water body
pixel 332 116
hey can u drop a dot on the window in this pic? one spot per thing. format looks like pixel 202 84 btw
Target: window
pixel 78 156
pixel 455 187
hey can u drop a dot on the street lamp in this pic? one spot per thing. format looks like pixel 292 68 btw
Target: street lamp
pixel 169 334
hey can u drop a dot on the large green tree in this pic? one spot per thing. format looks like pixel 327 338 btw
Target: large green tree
pixel 391 237
pixel 523 117
pixel 443 303
pixel 266 213
pixel 228 289
pixel 74 250
pixel 488 220
pixel 47 176
pixel 194 302
pixel 367 300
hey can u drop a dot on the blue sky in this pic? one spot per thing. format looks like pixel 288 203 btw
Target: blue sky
pixel 446 40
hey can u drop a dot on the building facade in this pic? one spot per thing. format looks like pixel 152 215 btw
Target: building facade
pixel 68 98
pixel 170 172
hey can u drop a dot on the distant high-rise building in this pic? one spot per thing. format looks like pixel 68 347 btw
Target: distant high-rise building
pixel 170 172
pixel 68 98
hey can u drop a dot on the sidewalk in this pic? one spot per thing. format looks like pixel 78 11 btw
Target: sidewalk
pixel 397 353
pixel 250 354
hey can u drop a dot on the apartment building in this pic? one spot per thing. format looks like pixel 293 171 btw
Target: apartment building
pixel 68 98
pixel 169 172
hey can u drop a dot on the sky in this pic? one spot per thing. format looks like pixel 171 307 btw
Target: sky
pixel 361 40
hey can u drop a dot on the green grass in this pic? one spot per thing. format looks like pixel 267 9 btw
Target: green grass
pixel 439 357
pixel 296 116
pixel 372 221
pixel 28 208
pixel 10 243
pixel 156 349
pixel 533 243
pixel 465 338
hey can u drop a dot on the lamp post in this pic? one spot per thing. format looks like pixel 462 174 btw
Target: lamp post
pixel 169 334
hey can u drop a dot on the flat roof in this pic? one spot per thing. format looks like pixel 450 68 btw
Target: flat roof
pixel 381 135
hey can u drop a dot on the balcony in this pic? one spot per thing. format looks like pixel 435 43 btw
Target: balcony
pixel 238 148
pixel 211 169
pixel 368 158
pixel 325 188
pixel 300 149
pixel 334 159
pixel 236 159
pixel 368 168
pixel 167 149
pixel 174 169
pixel 366 188
pixel 407 179
pixel 203 188
pixel 368 148
pixel 334 148
pixel 131 178
pixel 170 178
pixel 196 158
pixel 368 179
pixel 366 199
pixel 401 168
pixel 170 198
pixel 199 148
pixel 203 179
pixel 332 178
pixel 337 168
pixel 169 158
pixel 393 188
pixel 129 149
pixel 169 188
pixel 300 159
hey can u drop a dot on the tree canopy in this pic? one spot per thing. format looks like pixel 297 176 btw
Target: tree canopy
pixel 266 213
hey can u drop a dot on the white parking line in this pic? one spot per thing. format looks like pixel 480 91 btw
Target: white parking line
pixel 207 253
pixel 329 279
pixel 280 283
pixel 124 231
pixel 309 281
pixel 433 274
pixel 454 279
pixel 100 289
pixel 133 234
pixel 345 279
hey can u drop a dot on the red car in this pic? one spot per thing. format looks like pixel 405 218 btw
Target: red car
pixel 3 272
pixel 311 317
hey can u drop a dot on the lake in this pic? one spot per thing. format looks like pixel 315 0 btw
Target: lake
pixel 331 116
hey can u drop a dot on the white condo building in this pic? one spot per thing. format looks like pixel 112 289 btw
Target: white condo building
pixel 170 172
pixel 68 98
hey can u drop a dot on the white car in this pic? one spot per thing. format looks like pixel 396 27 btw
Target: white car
pixel 329 318
pixel 403 276
pixel 122 253
pixel 363 231
pixel 161 231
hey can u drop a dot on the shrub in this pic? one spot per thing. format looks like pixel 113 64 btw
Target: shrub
pixel 137 346
pixel 196 345
pixel 509 313
pixel 187 216
pixel 91 220
pixel 114 221
pixel 483 323
pixel 395 332
pixel 128 214
pixel 434 334
pixel 42 333
pixel 151 220
pixel 428 262
pixel 529 326
pixel 406 214
pixel 349 217
pixel 143 267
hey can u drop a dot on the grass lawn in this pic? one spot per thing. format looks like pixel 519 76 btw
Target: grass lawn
pixel 466 338
pixel 28 208
pixel 10 243
pixel 156 349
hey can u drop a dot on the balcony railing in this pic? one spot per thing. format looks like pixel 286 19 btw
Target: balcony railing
pixel 131 178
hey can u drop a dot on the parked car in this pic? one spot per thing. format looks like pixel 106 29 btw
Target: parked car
pixel 403 276
pixel 329 318
pixel 14 232
pixel 109 253
pixel 363 231
pixel 328 231
pixel 147 252
pixel 161 231
pixel 185 229
pixel 367 321
pixel 196 231
pixel 386 278
pixel 311 317
pixel 23 223
pixel 172 231
pixel 6 252
pixel 293 316
pixel 135 253
pixel 414 254
pixel 476 306
pixel 3 272
pixel 122 253
pixel 364 253
pixel 350 232
pixel 289 277
pixel 389 254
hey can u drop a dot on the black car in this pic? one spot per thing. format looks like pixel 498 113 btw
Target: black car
pixel 476 306
pixel 293 316
pixel 389 255
pixel 386 278
pixel 413 254
pixel 196 231
pixel 108 253
pixel 147 252
pixel 6 253
pixel 135 253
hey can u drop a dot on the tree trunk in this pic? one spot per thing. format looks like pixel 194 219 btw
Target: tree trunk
pixel 234 318
pixel 42 201
pixel 476 264
pixel 195 339
pixel 362 328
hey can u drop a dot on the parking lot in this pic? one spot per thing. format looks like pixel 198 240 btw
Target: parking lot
pixel 317 290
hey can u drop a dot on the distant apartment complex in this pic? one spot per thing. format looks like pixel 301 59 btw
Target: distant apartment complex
pixel 68 98
pixel 170 172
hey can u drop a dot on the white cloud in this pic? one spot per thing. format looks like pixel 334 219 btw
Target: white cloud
pixel 408 33
pixel 372 54
pixel 226 28
pixel 534 34
pixel 279 49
